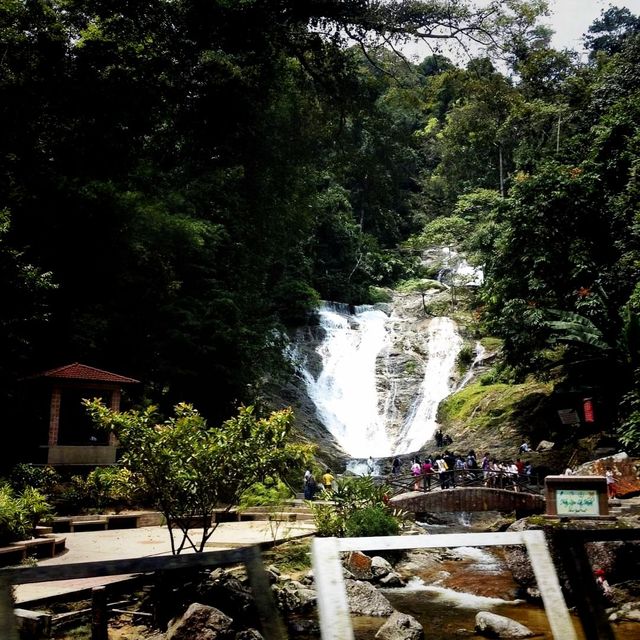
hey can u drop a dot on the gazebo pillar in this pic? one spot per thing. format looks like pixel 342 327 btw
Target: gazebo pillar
pixel 116 395
pixel 54 415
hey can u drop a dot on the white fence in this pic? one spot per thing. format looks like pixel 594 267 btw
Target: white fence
pixel 333 608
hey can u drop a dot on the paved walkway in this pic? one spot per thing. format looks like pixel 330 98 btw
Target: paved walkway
pixel 91 546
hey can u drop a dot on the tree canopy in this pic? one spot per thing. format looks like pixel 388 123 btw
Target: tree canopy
pixel 181 183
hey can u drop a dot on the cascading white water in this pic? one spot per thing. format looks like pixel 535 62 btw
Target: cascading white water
pixel 443 344
pixel 345 393
pixel 349 397
pixel 480 354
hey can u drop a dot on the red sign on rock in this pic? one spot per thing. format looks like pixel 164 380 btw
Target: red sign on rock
pixel 587 405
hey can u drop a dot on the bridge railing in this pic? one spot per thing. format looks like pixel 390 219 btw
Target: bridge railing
pixel 527 483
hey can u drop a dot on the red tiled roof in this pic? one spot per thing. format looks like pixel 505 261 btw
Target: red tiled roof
pixel 77 371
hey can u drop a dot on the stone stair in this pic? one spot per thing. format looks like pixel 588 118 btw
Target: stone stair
pixel 624 506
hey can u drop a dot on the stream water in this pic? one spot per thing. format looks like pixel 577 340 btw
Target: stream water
pixel 467 581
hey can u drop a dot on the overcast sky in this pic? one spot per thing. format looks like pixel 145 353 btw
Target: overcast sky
pixel 570 19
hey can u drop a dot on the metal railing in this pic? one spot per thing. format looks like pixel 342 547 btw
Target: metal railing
pixel 452 478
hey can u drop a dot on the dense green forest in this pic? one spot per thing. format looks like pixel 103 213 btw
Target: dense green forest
pixel 183 181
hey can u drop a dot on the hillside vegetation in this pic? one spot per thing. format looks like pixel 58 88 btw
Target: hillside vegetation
pixel 181 183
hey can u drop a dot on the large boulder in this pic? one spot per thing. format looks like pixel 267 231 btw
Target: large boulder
pixel 400 626
pixel 359 565
pixel 625 469
pixel 294 596
pixel 627 612
pixel 492 625
pixel 380 567
pixel 200 622
pixel 365 600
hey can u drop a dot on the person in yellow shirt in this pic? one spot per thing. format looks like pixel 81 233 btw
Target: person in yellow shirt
pixel 327 480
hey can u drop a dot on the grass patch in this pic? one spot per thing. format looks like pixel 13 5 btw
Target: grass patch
pixel 490 343
pixel 416 285
pixel 379 294
pixel 291 557
pixel 480 406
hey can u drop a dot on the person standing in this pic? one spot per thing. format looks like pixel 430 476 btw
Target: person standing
pixel 450 459
pixel 310 487
pixel 427 472
pixel 416 470
pixel 370 465
pixel 442 471
pixel 486 467
pixel 395 466
pixel 327 480
pixel 611 483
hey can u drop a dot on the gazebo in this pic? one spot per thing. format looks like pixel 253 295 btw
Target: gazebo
pixel 72 439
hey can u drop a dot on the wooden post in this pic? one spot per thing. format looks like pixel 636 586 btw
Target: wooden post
pixel 331 593
pixel 547 579
pixel 272 626
pixel 588 599
pixel 8 628
pixel 99 614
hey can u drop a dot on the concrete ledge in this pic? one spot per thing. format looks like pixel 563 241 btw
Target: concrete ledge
pixel 97 522
pixel 45 547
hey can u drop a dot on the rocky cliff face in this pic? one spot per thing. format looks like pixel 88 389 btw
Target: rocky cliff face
pixel 399 372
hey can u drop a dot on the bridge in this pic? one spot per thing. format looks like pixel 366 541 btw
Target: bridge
pixel 467 499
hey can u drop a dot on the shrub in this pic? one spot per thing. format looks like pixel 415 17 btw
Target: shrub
pixel 43 478
pixel 356 503
pixel 465 357
pixel 14 524
pixel 379 294
pixel 374 520
pixel 103 488
pixel 270 492
pixel 35 507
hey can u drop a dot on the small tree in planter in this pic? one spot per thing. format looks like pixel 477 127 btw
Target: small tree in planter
pixel 35 507
pixel 191 469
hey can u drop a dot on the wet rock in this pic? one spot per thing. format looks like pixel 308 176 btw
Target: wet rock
pixel 545 445
pixel 392 579
pixel 249 634
pixel 222 589
pixel 627 612
pixel 359 564
pixel 400 626
pixel 293 596
pixel 364 599
pixel 304 627
pixel 200 622
pixel 492 625
pixel 380 567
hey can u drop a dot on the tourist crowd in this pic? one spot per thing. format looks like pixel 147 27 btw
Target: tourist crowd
pixel 451 469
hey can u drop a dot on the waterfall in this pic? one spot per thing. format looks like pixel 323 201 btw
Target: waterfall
pixel 354 394
pixel 479 357
pixel 345 393
pixel 457 271
pixel 443 344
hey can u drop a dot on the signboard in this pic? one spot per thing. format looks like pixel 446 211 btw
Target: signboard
pixel 587 405
pixel 568 416
pixel 577 502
